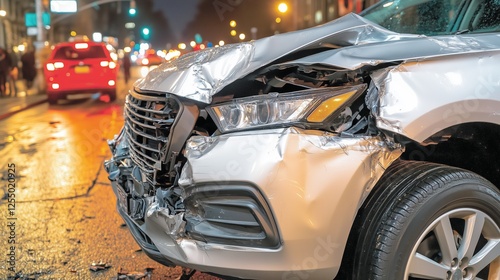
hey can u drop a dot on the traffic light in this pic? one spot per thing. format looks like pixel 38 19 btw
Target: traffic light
pixel 132 11
pixel 145 33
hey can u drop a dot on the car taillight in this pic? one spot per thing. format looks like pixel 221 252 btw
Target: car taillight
pixel 54 66
pixel 110 64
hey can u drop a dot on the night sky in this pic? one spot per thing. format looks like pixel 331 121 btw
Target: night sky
pixel 177 12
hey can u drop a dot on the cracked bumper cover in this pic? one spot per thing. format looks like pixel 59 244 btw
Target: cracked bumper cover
pixel 291 171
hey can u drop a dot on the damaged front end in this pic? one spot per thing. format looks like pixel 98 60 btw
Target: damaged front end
pixel 240 162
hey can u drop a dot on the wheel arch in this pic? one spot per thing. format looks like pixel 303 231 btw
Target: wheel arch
pixel 379 195
pixel 471 146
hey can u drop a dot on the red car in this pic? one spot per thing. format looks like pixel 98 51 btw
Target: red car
pixel 80 67
pixel 150 59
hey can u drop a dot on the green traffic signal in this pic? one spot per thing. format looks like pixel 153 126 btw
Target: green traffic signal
pixel 146 33
pixel 132 11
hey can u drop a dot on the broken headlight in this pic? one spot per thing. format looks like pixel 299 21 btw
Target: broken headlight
pixel 311 108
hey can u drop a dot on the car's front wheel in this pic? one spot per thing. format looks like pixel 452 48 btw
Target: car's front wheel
pixel 429 221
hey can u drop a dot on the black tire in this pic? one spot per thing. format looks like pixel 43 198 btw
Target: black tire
pixel 112 95
pixel 52 98
pixel 414 206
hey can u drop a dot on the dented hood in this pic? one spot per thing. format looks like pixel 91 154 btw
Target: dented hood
pixel 199 75
pixel 408 49
pixel 354 41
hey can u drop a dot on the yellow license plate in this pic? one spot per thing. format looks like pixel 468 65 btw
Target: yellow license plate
pixel 82 69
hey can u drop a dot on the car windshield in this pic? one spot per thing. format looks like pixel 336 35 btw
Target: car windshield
pixel 436 17
pixel 71 54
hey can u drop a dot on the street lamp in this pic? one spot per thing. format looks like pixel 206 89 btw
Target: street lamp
pixel 282 7
pixel 242 36
pixel 232 24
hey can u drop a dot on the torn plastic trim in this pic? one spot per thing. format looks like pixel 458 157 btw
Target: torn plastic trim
pixel 200 75
pixel 119 147
pixel 144 243
pixel 173 224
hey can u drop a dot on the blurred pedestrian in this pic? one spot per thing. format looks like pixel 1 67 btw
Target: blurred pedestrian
pixel 13 73
pixel 126 66
pixel 5 65
pixel 29 70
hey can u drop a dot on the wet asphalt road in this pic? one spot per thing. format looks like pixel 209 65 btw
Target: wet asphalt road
pixel 63 217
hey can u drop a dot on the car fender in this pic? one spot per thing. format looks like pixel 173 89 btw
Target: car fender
pixel 420 98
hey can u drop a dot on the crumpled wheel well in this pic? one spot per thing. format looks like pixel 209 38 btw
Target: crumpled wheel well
pixel 472 146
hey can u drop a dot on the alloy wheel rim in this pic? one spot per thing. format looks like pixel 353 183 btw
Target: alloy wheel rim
pixel 457 245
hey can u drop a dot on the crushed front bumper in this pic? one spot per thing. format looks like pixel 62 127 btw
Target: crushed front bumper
pixel 269 204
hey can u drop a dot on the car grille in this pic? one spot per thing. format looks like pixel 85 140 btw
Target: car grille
pixel 148 122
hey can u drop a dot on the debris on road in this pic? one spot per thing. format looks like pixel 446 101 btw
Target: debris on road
pixel 54 123
pixel 187 273
pixel 32 276
pixel 134 275
pixel 85 217
pixel 99 266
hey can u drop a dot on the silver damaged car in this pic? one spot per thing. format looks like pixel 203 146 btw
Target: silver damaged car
pixel 364 148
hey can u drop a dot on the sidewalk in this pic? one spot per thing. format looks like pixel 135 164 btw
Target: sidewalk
pixel 24 99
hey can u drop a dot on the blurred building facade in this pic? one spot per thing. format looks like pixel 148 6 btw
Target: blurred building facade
pixel 308 13
pixel 90 18
pixel 13 30
pixel 110 19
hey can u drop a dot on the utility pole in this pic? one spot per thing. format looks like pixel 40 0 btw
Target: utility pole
pixel 41 51
pixel 40 36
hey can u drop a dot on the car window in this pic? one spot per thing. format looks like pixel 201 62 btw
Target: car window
pixel 429 17
pixel 486 17
pixel 70 53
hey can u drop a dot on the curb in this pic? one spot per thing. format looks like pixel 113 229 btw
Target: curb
pixel 10 113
